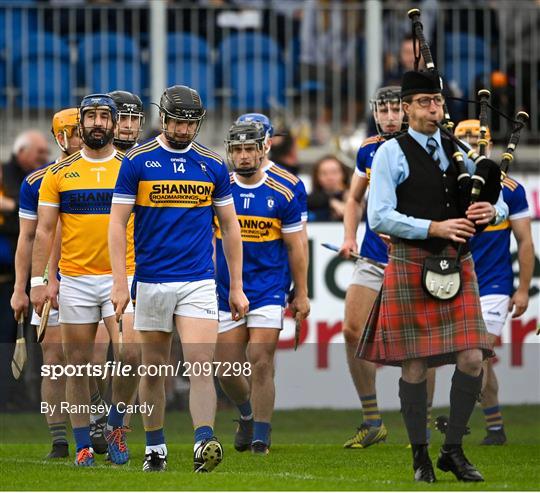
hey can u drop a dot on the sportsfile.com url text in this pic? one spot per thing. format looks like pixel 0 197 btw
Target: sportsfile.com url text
pixel 118 369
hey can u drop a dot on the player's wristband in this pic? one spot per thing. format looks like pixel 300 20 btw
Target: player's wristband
pixel 37 281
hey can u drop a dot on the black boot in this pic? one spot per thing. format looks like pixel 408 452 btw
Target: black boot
pixel 453 459
pixel 423 468
pixel 58 451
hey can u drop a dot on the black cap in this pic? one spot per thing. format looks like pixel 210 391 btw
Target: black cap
pixel 424 82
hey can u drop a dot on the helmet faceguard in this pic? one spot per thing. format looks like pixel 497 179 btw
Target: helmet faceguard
pixel 65 122
pixel 130 119
pixel 387 111
pixel 250 138
pixel 97 137
pixel 182 114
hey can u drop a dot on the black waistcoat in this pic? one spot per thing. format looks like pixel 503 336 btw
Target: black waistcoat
pixel 428 192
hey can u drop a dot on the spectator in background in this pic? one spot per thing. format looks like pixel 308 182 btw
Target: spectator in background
pixel 329 50
pixel 330 184
pixel 520 40
pixel 30 151
pixel 397 27
pixel 284 151
pixel 405 62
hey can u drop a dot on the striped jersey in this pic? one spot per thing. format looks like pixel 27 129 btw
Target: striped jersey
pixel 291 181
pixel 372 246
pixel 298 188
pixel 82 189
pixel 173 192
pixel 29 194
pixel 491 248
pixel 265 211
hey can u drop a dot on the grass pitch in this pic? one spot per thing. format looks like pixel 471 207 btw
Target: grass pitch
pixel 306 454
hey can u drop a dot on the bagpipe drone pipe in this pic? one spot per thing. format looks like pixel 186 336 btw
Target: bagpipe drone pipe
pixel 485 183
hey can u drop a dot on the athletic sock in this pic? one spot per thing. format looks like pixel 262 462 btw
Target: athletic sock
pixel 246 412
pixel 116 418
pixel 261 432
pixel 155 438
pixel 370 410
pixel 82 437
pixel 202 433
pixel 463 396
pixel 58 433
pixel 413 397
pixel 494 420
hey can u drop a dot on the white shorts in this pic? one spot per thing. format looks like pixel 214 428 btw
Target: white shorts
pixel 53 318
pixel 264 317
pixel 157 303
pixel 87 299
pixel 494 312
pixel 367 275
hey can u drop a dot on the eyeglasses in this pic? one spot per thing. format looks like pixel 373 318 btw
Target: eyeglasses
pixel 426 101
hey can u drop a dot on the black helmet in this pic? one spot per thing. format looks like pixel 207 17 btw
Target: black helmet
pixel 181 103
pixel 383 97
pixel 246 133
pixel 128 104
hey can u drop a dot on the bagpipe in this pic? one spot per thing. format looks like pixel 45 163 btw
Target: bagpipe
pixel 485 183
pixel 441 275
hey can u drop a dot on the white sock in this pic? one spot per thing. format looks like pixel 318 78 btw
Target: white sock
pixel 160 449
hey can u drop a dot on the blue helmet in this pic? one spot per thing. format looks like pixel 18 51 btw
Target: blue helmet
pixel 90 135
pixel 94 100
pixel 258 118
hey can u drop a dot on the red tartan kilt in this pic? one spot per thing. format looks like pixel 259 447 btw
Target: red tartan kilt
pixel 407 323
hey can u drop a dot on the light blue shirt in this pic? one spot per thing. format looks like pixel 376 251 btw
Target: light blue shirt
pixel 390 169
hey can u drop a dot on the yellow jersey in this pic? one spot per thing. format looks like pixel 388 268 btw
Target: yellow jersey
pixel 82 188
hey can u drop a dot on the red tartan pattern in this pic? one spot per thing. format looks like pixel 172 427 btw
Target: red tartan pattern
pixel 407 323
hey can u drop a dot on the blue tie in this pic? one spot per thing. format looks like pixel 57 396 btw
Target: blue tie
pixel 432 146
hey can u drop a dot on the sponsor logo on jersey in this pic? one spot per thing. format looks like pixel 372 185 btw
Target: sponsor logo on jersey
pixel 259 228
pixel 72 174
pixel 87 202
pixel 187 193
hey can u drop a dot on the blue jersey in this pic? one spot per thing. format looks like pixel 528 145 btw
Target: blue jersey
pixel 291 181
pixel 296 185
pixel 173 192
pixel 265 211
pixel 491 248
pixel 372 246
pixel 29 194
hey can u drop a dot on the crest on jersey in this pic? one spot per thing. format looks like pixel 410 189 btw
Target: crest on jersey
pixel 270 202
